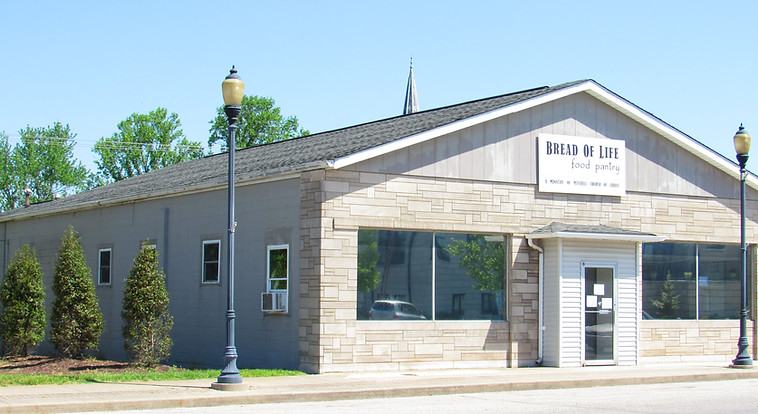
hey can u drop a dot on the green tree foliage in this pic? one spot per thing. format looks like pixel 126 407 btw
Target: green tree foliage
pixel 668 303
pixel 7 182
pixel 260 122
pixel 368 256
pixel 42 161
pixel 483 260
pixel 147 322
pixel 76 319
pixel 22 320
pixel 144 142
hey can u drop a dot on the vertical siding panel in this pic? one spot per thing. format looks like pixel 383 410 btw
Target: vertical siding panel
pixel 551 306
pixel 442 153
pixel 465 147
pixel 478 152
pixel 603 117
pixel 495 131
pixel 584 115
pixel 521 161
pixel 425 158
pixel 571 307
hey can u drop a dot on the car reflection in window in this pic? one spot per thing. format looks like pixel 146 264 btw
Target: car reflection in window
pixel 394 310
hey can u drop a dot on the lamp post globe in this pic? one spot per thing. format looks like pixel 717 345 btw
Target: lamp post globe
pixel 742 147
pixel 233 89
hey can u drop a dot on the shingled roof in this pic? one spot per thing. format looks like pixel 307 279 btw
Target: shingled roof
pixel 291 156
pixel 583 231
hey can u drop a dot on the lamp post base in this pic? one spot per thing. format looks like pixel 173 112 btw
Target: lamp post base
pixel 224 386
pixel 743 360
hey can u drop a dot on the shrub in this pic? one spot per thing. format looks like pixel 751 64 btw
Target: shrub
pixel 76 319
pixel 147 322
pixel 22 320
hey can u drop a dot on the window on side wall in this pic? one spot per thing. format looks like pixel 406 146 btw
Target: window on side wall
pixel 278 274
pixel 211 261
pixel 104 266
pixel 149 244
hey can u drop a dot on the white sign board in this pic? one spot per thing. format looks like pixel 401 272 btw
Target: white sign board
pixel 578 165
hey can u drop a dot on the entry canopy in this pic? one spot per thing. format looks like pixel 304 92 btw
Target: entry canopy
pixel 597 232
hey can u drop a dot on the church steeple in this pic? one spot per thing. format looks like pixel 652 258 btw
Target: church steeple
pixel 411 100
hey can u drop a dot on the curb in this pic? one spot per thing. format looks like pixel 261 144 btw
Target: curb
pixel 116 402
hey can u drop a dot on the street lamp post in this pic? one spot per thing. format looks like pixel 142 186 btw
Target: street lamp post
pixel 233 89
pixel 742 147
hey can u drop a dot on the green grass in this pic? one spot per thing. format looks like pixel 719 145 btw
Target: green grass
pixel 7 380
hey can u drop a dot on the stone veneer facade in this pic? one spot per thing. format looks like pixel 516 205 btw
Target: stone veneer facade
pixel 336 203
pixel 692 340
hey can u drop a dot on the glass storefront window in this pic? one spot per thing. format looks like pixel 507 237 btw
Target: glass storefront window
pixel 690 281
pixel 404 275
pixel 719 281
pixel 668 280
pixel 469 275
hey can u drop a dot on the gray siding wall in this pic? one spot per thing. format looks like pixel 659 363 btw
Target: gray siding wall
pixel 266 213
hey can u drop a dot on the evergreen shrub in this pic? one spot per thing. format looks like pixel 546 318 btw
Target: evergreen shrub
pixel 22 319
pixel 76 319
pixel 147 321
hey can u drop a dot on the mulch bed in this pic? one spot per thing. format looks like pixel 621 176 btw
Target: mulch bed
pixel 62 366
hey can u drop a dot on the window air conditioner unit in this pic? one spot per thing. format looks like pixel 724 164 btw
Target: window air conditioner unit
pixel 274 301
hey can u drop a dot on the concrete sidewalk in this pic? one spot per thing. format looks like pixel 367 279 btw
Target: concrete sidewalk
pixel 197 393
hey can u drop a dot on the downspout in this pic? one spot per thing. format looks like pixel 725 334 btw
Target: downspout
pixel 541 290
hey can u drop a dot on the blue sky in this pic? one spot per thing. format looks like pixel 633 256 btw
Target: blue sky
pixel 334 64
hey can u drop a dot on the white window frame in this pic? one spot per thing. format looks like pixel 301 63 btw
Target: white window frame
pixel 203 262
pixel 100 266
pixel 269 279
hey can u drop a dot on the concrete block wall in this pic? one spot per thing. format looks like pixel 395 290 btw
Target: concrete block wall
pixel 336 203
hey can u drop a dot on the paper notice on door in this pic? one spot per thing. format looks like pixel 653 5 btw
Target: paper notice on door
pixel 599 289
pixel 591 301
pixel 606 304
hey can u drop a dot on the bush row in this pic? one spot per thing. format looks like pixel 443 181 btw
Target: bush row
pixel 76 321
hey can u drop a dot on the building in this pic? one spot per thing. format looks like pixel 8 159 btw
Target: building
pixel 561 226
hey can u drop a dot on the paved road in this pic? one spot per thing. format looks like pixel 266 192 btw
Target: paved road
pixel 740 396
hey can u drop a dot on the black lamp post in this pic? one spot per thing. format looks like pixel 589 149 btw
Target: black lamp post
pixel 742 147
pixel 233 89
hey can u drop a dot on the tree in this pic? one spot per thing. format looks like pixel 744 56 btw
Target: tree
pixel 483 260
pixel 7 182
pixel 668 304
pixel 260 122
pixel 147 322
pixel 76 319
pixel 368 256
pixel 22 321
pixel 144 143
pixel 43 162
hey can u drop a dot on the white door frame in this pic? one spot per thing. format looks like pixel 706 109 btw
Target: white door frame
pixel 601 265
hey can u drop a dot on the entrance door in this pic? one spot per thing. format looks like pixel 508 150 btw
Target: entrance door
pixel 599 315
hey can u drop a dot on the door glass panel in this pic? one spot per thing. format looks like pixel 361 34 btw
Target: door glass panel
pixel 598 313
